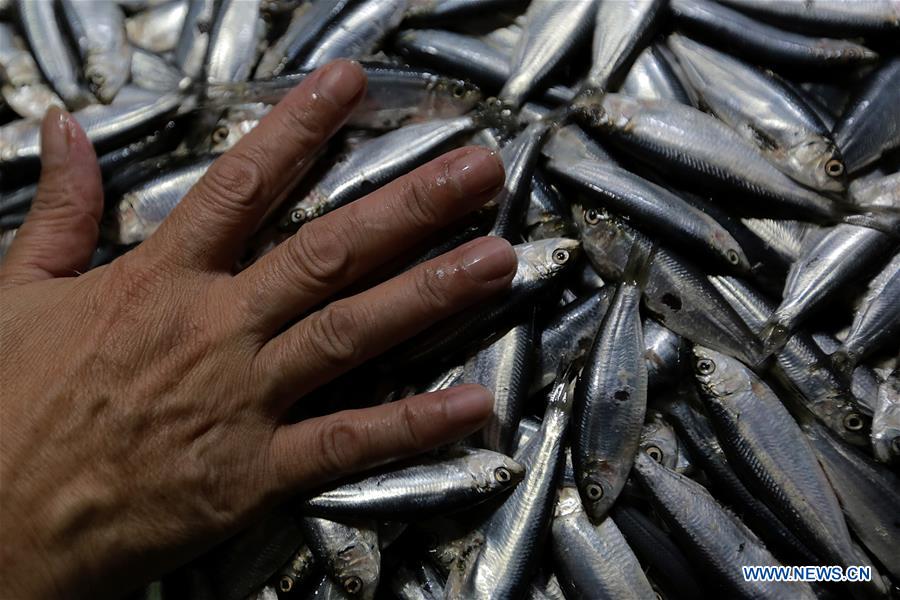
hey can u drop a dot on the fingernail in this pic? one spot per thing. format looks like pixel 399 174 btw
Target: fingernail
pixel 489 258
pixel 341 82
pixel 478 171
pixel 468 404
pixel 57 133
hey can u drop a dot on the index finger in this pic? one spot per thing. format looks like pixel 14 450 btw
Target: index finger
pixel 209 227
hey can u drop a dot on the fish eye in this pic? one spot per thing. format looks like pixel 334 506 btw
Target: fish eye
pixel 502 475
pixel 286 584
pixel 459 90
pixel 655 453
pixel 706 366
pixel 594 492
pixel 353 584
pixel 732 256
pixel 853 422
pixel 834 168
pixel 592 216
pixel 895 445
pixel 560 256
pixel 96 78
pixel 219 134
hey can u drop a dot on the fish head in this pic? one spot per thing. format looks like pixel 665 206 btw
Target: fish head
pixel 720 376
pixel 494 471
pixel 733 253
pixel 659 442
pixel 358 565
pixel 454 96
pixel 822 160
pixel 596 487
pixel 107 73
pixel 544 259
pixel 607 241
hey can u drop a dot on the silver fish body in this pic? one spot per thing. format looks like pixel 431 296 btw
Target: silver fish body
pixel 297 571
pixel 420 489
pixel 886 422
pixel 765 112
pixel 621 31
pixel 660 442
pixel 552 30
pixel 194 34
pixel 876 323
pixel 593 561
pixel 767 447
pixel 416 581
pixel 519 158
pixel 348 552
pixel 652 77
pixel 765 43
pixel 376 162
pixel 870 126
pixel 878 193
pixel 156 29
pixel 504 367
pixel 653 207
pixel 830 262
pixel 514 533
pixel 694 144
pixel 609 404
pixel 152 72
pixel 357 32
pixel 712 534
pixel 547 215
pixel 99 30
pixel 56 60
pixel 144 207
pixel 827 15
pixel 23 85
pixel 869 494
pixel 663 351
pixel 783 236
pixel 233 41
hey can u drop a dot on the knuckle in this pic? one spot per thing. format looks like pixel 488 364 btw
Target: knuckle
pixel 320 253
pixel 333 330
pixel 340 444
pixel 305 124
pixel 419 206
pixel 233 183
pixel 409 424
pixel 430 288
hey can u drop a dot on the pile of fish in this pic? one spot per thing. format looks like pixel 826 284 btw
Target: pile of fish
pixel 695 368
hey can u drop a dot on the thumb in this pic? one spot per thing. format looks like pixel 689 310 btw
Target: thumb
pixel 60 232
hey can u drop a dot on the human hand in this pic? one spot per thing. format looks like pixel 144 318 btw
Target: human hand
pixel 143 401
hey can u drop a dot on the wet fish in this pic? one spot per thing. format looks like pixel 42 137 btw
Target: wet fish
pixel 765 112
pixel 422 488
pixel 652 77
pixel 621 31
pixel 519 158
pixel 886 422
pixel 99 30
pixel 297 571
pixel 878 193
pixel 23 87
pixel 547 214
pixel 233 41
pixel 715 537
pixel 192 43
pixel 349 553
pixel 663 353
pixel 827 15
pixel 156 28
pixel 552 31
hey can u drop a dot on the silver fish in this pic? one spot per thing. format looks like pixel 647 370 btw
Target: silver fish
pixel 611 396
pixel 375 163
pixel 547 216
pixel 51 52
pixel 423 488
pixel 99 30
pixel 659 442
pixel 23 87
pixel 876 323
pixel 552 30
pixel 621 30
pixel 143 208
pixel 653 207
pixel 765 112
pixel 663 350
pixel 358 32
pixel 417 581
pixel 869 494
pixel 514 532
pixel 767 447
pixel 652 77
pixel 712 534
pixel 519 159
pixel 784 236
pixel 593 561
pixel 886 422
pixel 156 28
pixel 694 144
pixel 349 553
pixel 233 42
pixel 827 15
pixel 803 366
pixel 151 71
pixel 297 571
pixel 834 260
pixel 878 193
pixel 192 43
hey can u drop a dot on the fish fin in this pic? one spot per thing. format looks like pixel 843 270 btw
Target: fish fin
pixel 640 257
pixel 773 335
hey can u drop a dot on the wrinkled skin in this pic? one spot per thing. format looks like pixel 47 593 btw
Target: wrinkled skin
pixel 142 403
